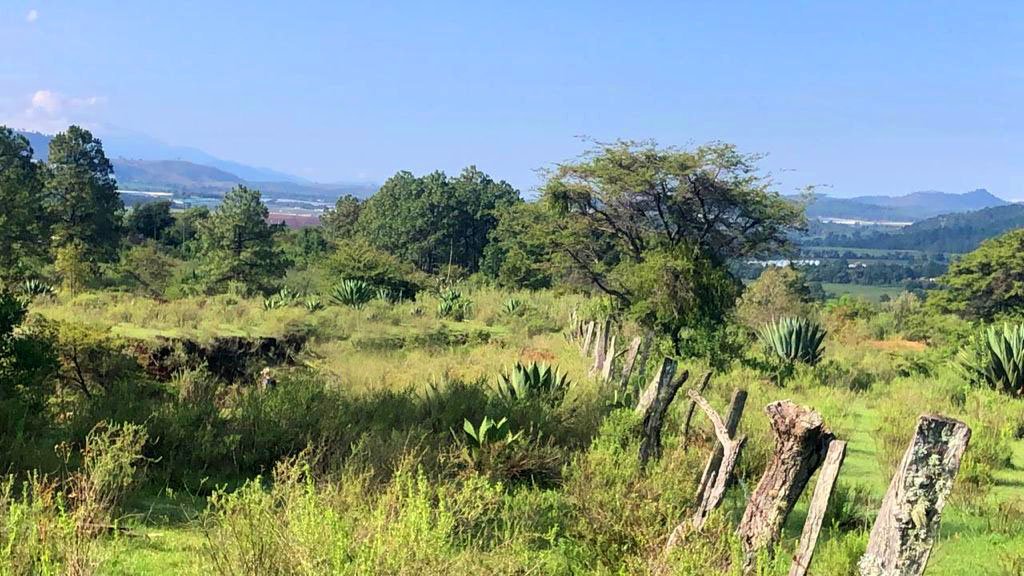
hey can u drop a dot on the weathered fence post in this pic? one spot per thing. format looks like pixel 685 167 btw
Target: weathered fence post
pixel 819 503
pixel 601 347
pixel 908 521
pixel 588 335
pixel 718 471
pixel 801 440
pixel 609 360
pixel 689 411
pixel 666 370
pixel 654 415
pixel 627 365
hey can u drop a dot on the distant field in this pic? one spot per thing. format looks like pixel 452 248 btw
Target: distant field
pixel 873 293
pixel 862 251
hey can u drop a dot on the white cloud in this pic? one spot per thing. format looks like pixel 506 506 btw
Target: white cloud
pixel 49 111
pixel 32 16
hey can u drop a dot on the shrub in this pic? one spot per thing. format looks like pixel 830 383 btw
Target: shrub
pixel 996 358
pixel 452 304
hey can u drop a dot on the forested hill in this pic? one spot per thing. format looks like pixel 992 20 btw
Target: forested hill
pixel 907 208
pixel 956 233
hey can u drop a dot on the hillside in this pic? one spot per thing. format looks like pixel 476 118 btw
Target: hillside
pixel 907 208
pixel 951 233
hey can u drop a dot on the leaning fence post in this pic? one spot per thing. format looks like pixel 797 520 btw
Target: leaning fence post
pixel 601 347
pixel 715 472
pixel 801 440
pixel 819 503
pixel 627 365
pixel 609 360
pixel 654 415
pixel 689 411
pixel 908 521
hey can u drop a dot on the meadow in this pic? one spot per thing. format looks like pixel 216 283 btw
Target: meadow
pixel 363 465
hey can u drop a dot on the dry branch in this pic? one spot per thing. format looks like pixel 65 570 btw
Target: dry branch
pixel 689 411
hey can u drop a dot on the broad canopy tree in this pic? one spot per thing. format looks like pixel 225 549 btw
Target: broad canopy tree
pixel 655 227
pixel 435 220
pixel 986 284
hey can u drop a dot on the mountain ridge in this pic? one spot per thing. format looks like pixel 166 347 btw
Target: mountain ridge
pixel 912 207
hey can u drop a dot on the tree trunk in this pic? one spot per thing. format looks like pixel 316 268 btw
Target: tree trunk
pixel 627 366
pixel 689 411
pixel 819 503
pixel 718 473
pixel 654 416
pixel 908 521
pixel 801 440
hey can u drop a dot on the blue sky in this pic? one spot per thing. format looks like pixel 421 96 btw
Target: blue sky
pixel 862 97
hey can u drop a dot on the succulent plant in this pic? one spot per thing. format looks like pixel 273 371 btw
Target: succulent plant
pixel 538 380
pixel 996 358
pixel 794 340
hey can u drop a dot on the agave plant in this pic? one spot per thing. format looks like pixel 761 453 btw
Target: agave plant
pixel 996 358
pixel 33 287
pixel 453 305
pixel 794 340
pixel 538 380
pixel 512 306
pixel 282 299
pixel 313 303
pixel 387 294
pixel 352 293
pixel 488 432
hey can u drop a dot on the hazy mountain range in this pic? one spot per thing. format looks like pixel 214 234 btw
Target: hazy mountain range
pixel 146 164
pixel 908 208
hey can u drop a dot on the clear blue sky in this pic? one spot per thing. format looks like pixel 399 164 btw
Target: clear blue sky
pixel 865 97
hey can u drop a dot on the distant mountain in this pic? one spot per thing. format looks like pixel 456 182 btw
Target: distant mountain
pixel 145 164
pixel 950 233
pixel 121 144
pixel 908 208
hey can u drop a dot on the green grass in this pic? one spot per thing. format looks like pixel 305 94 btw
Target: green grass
pixel 872 293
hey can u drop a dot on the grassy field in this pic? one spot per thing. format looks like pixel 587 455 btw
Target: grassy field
pixel 598 514
pixel 872 293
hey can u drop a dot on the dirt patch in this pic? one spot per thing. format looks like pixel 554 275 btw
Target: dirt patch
pixel 232 358
pixel 898 345
pixel 536 355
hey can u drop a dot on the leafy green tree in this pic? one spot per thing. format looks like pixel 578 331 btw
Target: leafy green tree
pixel 357 259
pixel 183 233
pixel 339 223
pixel 150 220
pixel 148 268
pixel 779 292
pixel 23 226
pixel 656 227
pixel 520 253
pixel 82 195
pixel 435 220
pixel 236 244
pixel 986 284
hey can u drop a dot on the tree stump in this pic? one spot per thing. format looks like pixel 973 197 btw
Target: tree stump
pixel 801 441
pixel 654 416
pixel 908 521
pixel 819 503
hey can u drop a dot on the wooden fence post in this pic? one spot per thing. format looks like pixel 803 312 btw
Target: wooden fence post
pixel 801 440
pixel 716 473
pixel 908 522
pixel 601 346
pixel 627 366
pixel 654 415
pixel 609 360
pixel 819 503
pixel 588 335
pixel 689 411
